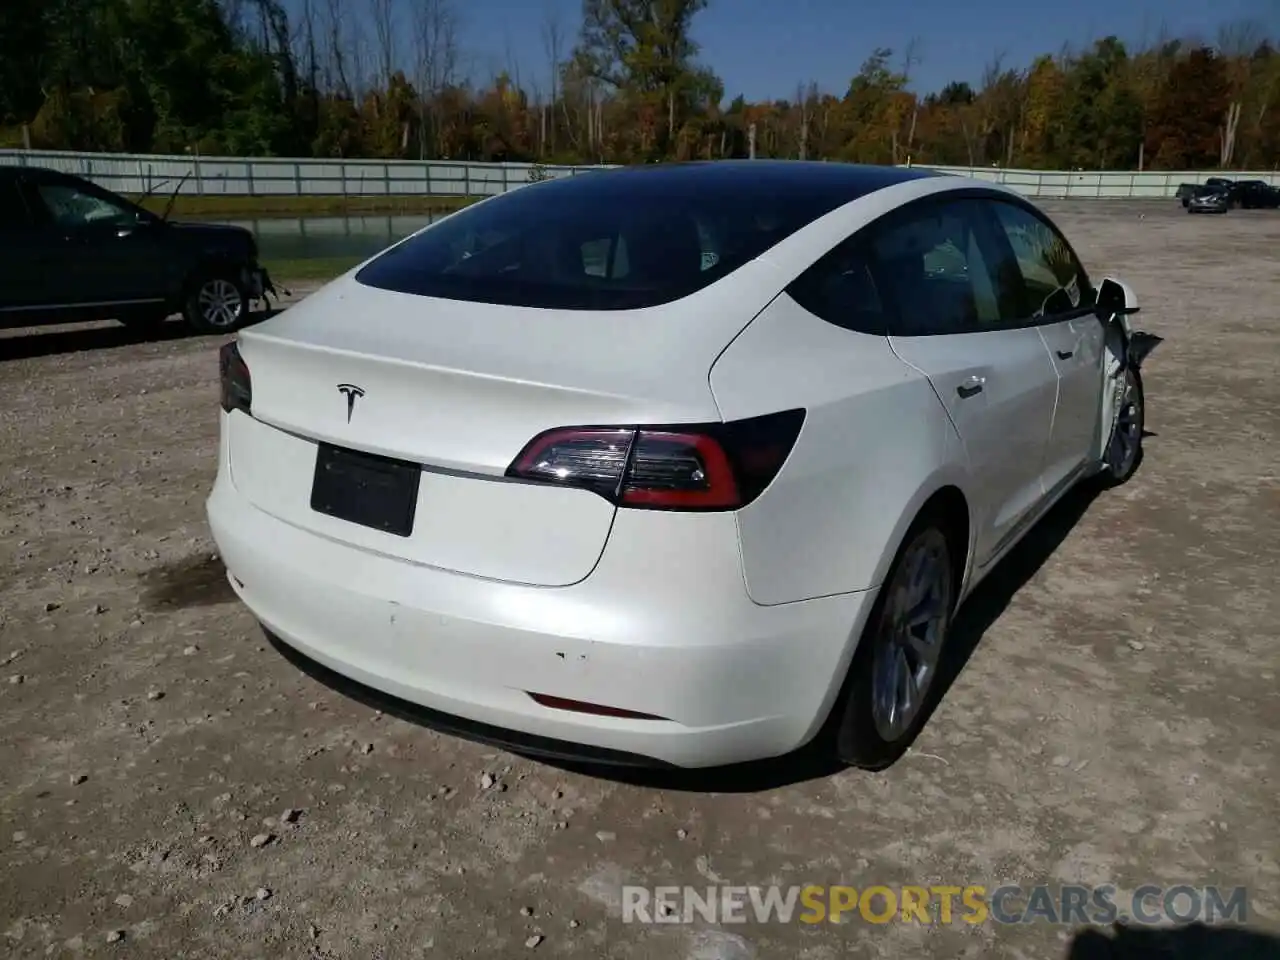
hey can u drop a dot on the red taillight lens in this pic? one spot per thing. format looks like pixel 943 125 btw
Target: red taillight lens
pixel 718 466
pixel 237 389
pixel 680 469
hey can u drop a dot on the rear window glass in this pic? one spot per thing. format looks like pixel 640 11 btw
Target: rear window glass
pixel 614 243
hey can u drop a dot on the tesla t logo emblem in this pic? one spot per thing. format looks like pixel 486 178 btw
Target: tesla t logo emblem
pixel 351 392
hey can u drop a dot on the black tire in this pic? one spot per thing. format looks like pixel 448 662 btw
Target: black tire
pixel 856 727
pixel 1120 461
pixel 216 302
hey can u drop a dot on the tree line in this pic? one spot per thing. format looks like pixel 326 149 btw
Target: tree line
pixel 386 79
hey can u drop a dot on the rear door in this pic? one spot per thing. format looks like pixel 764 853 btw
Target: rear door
pixel 939 263
pixel 1058 300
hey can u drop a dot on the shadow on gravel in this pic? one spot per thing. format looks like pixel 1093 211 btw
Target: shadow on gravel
pixel 1193 942
pixel 196 581
pixel 48 343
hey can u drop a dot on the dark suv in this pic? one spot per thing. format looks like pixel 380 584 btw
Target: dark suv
pixel 70 250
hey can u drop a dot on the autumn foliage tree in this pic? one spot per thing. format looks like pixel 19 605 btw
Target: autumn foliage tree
pixel 1184 129
pixel 626 84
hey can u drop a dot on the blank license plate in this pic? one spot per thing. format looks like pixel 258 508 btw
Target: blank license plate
pixel 367 489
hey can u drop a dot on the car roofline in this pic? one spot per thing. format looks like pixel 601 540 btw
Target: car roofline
pixel 796 253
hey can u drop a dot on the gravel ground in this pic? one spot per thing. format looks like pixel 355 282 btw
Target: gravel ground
pixel 171 785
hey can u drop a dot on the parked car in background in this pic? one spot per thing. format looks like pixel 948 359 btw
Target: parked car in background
pixel 1240 194
pixel 1255 195
pixel 689 463
pixel 1188 190
pixel 71 250
pixel 1208 199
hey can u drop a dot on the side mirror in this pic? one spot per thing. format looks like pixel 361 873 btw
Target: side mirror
pixel 1116 297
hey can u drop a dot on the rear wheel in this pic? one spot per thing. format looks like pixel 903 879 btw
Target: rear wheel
pixel 217 302
pixel 892 675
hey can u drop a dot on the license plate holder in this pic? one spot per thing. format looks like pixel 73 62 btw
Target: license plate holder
pixel 366 489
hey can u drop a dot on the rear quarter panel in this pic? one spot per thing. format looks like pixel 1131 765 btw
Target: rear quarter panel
pixel 875 445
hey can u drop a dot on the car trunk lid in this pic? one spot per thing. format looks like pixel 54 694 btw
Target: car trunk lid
pixel 460 388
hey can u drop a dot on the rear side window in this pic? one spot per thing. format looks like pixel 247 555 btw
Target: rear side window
pixel 944 273
pixel 584 247
pixel 840 289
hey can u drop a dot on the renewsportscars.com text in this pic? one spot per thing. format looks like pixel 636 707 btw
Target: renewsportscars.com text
pixel 972 904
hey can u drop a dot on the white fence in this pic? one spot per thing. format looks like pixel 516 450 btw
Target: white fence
pixel 140 173
pixel 266 177
pixel 1101 184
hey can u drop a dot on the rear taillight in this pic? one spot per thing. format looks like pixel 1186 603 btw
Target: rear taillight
pixel 713 466
pixel 237 389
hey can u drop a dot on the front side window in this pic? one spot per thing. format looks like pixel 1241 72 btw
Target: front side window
pixel 583 246
pixel 941 269
pixel 1054 282
pixel 70 206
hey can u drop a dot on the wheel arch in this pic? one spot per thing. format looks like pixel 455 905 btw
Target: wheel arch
pixel 944 498
pixel 209 266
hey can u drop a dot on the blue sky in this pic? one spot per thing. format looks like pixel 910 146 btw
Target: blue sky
pixel 765 48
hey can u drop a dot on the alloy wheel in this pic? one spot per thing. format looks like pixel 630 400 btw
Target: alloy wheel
pixel 1126 437
pixel 220 303
pixel 912 630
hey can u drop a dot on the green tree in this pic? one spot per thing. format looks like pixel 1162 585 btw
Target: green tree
pixel 24 40
pixel 267 77
pixel 873 110
pixel 1102 120
pixel 643 50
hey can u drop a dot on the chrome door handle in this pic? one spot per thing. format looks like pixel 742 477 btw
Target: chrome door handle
pixel 971 387
pixel 1066 354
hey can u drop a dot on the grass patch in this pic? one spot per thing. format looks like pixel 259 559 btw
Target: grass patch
pixel 286 272
pixel 195 205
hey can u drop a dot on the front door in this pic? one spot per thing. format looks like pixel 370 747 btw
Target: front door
pixel 105 254
pixel 951 309
pixel 1059 301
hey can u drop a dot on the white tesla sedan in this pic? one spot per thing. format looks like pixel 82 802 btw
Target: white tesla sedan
pixel 682 465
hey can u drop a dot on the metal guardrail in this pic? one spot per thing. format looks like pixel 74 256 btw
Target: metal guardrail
pixel 1100 184
pixel 267 177
pixel 279 177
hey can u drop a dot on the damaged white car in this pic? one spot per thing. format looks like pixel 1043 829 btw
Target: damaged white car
pixel 685 465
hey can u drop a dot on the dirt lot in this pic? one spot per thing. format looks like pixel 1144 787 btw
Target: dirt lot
pixel 1114 722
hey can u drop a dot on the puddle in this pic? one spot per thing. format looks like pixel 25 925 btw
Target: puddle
pixel 195 581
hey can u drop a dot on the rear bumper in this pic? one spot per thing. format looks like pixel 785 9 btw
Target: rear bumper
pixel 663 627
pixel 526 744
